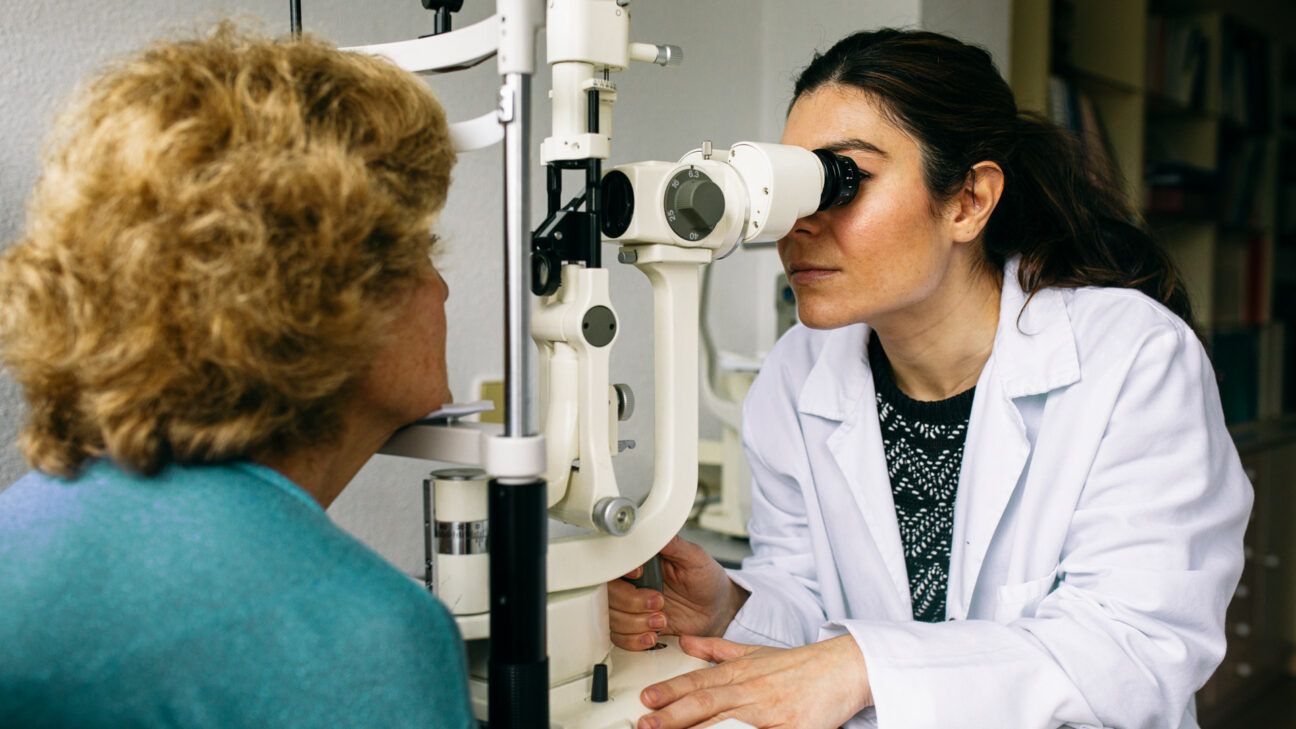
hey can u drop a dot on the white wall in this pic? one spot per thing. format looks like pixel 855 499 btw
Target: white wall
pixel 740 60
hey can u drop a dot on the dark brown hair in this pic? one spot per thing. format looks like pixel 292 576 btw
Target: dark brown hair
pixel 1070 222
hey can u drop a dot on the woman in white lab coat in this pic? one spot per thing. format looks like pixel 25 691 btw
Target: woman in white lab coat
pixel 992 482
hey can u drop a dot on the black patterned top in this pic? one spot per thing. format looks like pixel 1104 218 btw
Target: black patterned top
pixel 923 441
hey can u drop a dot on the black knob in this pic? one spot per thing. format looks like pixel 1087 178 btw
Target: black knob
pixel 599 693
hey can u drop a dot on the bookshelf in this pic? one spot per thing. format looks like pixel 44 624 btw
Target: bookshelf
pixel 1196 106
pixel 1195 102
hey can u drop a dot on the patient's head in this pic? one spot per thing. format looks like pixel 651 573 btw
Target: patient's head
pixel 226 234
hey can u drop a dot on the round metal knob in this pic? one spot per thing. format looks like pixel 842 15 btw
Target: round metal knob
pixel 615 515
pixel 625 401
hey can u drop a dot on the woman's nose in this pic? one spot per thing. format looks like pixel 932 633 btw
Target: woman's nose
pixel 445 287
pixel 808 227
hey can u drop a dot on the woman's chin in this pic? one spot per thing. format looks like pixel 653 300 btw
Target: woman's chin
pixel 818 319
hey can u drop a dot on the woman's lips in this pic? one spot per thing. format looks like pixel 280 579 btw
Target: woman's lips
pixel 812 275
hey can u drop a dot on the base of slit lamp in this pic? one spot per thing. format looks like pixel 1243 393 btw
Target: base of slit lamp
pixel 629 673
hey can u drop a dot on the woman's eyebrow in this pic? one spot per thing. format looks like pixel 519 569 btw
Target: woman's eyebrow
pixel 855 144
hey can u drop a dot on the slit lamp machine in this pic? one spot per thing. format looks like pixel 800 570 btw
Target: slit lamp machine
pixel 534 611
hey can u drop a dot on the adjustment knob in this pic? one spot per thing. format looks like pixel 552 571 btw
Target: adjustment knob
pixel 701 202
pixel 694 204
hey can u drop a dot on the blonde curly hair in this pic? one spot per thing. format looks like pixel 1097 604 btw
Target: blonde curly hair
pixel 215 248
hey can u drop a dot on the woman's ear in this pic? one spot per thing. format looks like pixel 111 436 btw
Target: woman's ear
pixel 976 201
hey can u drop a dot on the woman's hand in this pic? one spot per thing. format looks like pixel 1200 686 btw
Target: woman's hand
pixel 818 686
pixel 699 599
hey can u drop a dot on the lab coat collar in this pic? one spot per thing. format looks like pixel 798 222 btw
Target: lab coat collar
pixel 1035 344
pixel 1034 352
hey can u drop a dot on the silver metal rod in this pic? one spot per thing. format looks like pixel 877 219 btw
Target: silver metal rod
pixel 515 114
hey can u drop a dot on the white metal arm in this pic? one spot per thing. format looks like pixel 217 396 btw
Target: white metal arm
pixel 451 51
pixel 592 560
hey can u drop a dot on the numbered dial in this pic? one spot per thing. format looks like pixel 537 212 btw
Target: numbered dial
pixel 694 204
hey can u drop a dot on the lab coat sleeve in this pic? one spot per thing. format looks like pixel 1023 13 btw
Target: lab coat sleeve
pixel 784 609
pixel 1135 624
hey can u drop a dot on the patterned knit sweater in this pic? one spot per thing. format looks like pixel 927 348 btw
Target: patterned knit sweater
pixel 923 442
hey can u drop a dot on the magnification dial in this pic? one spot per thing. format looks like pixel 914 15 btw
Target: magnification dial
pixel 694 204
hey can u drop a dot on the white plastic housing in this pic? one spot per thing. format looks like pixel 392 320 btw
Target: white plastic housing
pixel 649 224
pixel 782 183
pixel 571 139
pixel 462 580
pixel 588 31
pixel 584 39
pixel 767 188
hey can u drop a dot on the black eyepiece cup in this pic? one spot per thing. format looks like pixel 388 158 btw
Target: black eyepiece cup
pixel 841 179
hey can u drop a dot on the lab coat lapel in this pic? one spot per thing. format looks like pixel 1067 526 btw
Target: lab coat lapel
pixel 1033 354
pixel 840 388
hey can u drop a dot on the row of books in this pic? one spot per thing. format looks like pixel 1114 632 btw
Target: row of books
pixel 1178 57
pixel 1246 163
pixel 1246 78
pixel 1073 109
pixel 1182 53
pixel 1287 191
pixel 1179 189
pixel 1255 368
pixel 1231 195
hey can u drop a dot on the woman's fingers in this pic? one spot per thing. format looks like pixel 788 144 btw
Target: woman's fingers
pixel 635 615
pixel 715 650
pixel 634 574
pixel 668 692
pixel 634 641
pixel 624 622
pixel 696 707
pixel 626 597
pixel 742 714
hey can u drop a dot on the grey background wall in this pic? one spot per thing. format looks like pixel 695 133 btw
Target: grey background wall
pixel 741 57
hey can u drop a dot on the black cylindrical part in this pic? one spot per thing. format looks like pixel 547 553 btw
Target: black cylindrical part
pixel 294 17
pixel 442 24
pixel 616 195
pixel 841 179
pixel 592 111
pixel 599 691
pixel 429 559
pixel 652 575
pixel 594 205
pixel 519 666
pixel 553 187
pixel 593 183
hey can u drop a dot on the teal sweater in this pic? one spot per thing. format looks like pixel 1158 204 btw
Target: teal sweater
pixel 209 596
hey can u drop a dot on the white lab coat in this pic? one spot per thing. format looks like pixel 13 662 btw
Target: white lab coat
pixel 1097 526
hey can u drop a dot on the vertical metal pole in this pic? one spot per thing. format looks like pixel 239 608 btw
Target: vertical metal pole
pixel 294 17
pixel 516 106
pixel 518 693
pixel 518 667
